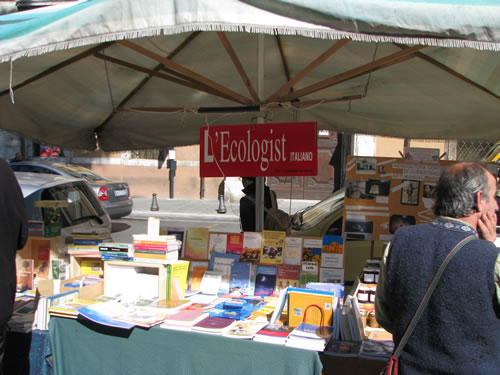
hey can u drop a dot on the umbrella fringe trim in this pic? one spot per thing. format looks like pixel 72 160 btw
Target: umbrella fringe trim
pixel 316 33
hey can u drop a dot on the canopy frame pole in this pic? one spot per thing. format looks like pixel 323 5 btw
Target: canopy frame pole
pixel 259 181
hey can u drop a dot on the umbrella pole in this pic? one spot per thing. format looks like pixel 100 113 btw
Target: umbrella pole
pixel 259 181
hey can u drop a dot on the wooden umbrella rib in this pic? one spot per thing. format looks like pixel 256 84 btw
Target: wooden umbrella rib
pixel 236 97
pixel 356 72
pixel 450 71
pixel 308 69
pixel 236 62
pixel 196 86
pixel 59 66
pixel 141 84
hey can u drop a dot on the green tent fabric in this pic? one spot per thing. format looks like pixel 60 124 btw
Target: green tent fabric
pixel 125 75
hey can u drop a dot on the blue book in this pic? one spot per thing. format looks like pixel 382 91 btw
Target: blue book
pixel 242 274
pixel 265 280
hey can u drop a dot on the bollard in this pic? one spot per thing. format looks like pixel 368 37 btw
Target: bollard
pixel 154 203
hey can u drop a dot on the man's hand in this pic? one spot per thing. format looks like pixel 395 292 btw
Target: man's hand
pixel 487 226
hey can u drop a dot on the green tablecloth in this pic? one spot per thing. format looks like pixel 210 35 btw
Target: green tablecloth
pixel 83 347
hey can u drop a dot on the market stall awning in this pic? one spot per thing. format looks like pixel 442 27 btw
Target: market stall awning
pixel 129 75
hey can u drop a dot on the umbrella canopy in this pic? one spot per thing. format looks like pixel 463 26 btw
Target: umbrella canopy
pixel 127 75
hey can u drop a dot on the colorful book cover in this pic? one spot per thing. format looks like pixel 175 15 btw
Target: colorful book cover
pixel 252 247
pixel 243 329
pixel 265 280
pixel 197 269
pixel 91 267
pixel 217 243
pixel 309 273
pixel 331 275
pixel 212 324
pixel 242 275
pixel 196 247
pixel 286 275
pixel 293 250
pixel 234 243
pixel 332 252
pixel 273 332
pixel 304 306
pixel 311 250
pixel 177 273
pixel 24 269
pixel 223 263
pixel 273 245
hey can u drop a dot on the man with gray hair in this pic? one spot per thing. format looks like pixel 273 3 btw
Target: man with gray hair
pixel 459 330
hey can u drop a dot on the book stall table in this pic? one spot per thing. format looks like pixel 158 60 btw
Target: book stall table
pixel 84 347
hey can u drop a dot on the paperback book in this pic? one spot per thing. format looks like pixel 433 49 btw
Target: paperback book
pixel 196 246
pixel 217 243
pixel 234 243
pixel 273 244
pixel 244 329
pixel 273 333
pixel 265 280
pixel 252 247
pixel 332 252
pixel 293 250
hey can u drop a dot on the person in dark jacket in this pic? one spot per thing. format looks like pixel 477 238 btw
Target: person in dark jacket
pixel 13 234
pixel 247 205
pixel 459 330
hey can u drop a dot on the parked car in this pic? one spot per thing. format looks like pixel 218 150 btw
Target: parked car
pixel 114 196
pixel 84 212
pixel 325 217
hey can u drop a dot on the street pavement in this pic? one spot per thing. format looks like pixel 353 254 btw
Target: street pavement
pixel 179 208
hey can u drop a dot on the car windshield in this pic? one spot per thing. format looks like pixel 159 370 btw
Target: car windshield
pixel 82 172
pixel 314 215
pixel 81 201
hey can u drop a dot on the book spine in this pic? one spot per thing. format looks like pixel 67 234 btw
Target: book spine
pixel 151 247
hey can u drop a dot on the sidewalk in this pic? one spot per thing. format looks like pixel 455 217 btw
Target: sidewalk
pixel 179 208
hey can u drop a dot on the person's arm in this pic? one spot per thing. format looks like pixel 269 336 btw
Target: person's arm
pixel 497 278
pixel 382 302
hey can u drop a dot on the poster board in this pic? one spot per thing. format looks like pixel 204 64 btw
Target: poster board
pixel 383 194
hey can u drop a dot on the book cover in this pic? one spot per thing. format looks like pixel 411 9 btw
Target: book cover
pixel 217 242
pixel 252 247
pixel 197 269
pixel 331 275
pixel 179 234
pixel 59 269
pixel 196 247
pixel 24 268
pixel 177 273
pixel 311 249
pixel 332 252
pixel 313 331
pixel 286 275
pixel 293 250
pixel 343 348
pixel 41 265
pixel 309 273
pixel 212 324
pixel 265 280
pixel 273 244
pixel 102 313
pixel 273 333
pixel 305 305
pixel 242 275
pixel 91 267
pixel 234 243
pixel 243 329
pixel 223 263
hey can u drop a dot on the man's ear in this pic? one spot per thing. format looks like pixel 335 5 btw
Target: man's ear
pixel 479 199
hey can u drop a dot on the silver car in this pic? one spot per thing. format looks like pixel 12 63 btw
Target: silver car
pixel 114 196
pixel 83 213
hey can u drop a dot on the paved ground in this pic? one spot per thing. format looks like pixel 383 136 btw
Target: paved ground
pixel 181 208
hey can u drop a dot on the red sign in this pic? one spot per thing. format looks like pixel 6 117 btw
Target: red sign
pixel 280 149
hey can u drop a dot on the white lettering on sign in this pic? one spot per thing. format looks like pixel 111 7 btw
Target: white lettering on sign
pixel 249 150
pixel 301 156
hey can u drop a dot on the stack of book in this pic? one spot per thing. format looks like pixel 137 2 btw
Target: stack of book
pixel 310 336
pixel 86 243
pixel 116 250
pixel 155 249
pixel 273 333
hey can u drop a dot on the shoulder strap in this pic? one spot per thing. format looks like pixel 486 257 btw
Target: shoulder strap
pixel 414 320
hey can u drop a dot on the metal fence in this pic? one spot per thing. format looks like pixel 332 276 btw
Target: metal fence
pixel 473 150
